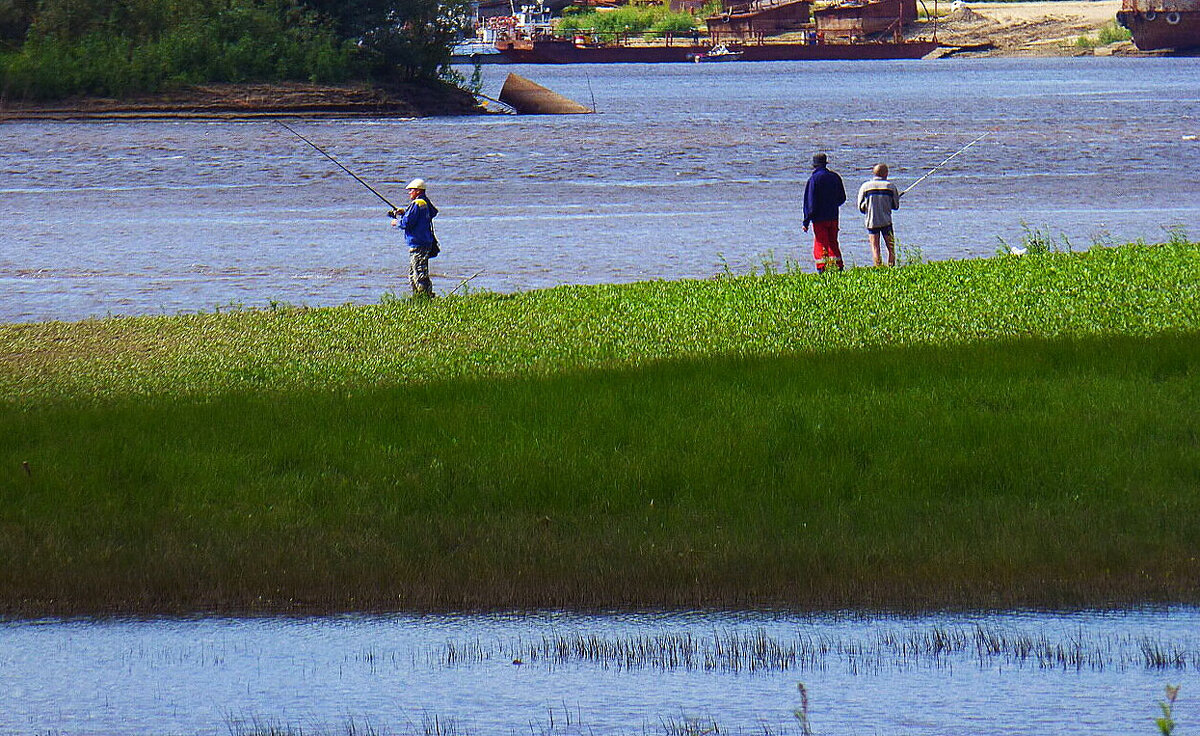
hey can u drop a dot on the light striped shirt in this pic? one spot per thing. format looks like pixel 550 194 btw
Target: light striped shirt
pixel 876 199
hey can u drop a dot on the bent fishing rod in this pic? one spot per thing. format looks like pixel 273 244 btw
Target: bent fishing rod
pixel 948 158
pixel 339 164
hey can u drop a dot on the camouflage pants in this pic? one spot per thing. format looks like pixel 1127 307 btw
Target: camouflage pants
pixel 418 272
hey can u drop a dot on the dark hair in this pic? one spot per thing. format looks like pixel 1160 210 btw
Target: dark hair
pixel 820 159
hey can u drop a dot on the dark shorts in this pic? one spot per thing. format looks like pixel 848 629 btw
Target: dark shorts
pixel 885 231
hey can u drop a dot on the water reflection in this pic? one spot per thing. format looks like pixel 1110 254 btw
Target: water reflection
pixel 1021 673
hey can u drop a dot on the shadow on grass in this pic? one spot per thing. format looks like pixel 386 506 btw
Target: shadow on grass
pixel 1024 473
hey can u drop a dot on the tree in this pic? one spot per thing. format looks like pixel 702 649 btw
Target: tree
pixel 115 47
pixel 411 38
pixel 15 18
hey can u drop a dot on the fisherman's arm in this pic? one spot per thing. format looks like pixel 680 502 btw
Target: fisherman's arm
pixel 808 204
pixel 413 216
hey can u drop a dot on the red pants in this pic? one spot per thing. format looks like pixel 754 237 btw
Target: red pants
pixel 825 244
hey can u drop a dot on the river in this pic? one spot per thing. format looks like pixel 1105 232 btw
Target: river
pixel 686 172
pixel 1007 674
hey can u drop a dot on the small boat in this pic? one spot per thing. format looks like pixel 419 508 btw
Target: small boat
pixel 719 52
pixel 467 52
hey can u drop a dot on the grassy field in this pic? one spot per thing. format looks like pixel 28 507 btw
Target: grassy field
pixel 1003 432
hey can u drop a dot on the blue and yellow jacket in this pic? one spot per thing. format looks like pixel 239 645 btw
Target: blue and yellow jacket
pixel 417 222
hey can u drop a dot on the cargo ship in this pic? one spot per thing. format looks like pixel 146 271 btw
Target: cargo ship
pixel 1162 24
pixel 747 30
pixel 567 51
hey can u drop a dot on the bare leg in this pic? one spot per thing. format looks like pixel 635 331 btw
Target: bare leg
pixel 890 239
pixel 874 238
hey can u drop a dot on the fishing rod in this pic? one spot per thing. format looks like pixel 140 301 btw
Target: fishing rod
pixel 935 168
pixel 465 281
pixel 590 92
pixel 339 164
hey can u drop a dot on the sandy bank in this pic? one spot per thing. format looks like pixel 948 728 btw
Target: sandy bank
pixel 411 99
pixel 1024 28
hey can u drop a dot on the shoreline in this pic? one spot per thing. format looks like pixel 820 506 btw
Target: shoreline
pixel 258 100
pixel 1045 28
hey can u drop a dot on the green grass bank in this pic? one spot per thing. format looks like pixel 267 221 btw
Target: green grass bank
pixel 1001 432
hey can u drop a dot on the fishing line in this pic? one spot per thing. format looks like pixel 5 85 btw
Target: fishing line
pixel 930 173
pixel 338 163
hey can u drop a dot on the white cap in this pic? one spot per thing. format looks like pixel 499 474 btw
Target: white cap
pixel 416 184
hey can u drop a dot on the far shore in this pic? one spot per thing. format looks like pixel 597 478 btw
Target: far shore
pixel 258 100
pixel 1044 28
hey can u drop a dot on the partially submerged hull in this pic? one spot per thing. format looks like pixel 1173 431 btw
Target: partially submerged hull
pixel 555 51
pixel 527 97
pixel 1162 24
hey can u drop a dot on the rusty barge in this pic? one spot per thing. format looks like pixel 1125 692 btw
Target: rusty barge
pixel 747 30
pixel 1162 24
pixel 564 51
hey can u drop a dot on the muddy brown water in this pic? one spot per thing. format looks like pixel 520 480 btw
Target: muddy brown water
pixel 687 171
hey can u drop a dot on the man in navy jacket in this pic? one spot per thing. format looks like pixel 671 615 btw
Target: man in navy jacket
pixel 823 195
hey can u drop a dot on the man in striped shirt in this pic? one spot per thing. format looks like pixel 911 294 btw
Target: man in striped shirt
pixel 876 199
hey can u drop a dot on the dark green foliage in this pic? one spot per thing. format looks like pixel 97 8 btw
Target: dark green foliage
pixel 657 20
pixel 15 18
pixel 410 36
pixel 121 47
pixel 415 36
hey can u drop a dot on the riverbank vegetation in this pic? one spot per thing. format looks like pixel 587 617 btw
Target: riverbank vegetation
pixel 1112 32
pixel 655 20
pixel 1015 431
pixel 58 48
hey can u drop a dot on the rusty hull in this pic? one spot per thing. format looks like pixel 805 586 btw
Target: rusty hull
pixel 1162 24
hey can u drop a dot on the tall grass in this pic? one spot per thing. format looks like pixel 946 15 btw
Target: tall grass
pixel 1134 290
pixel 1016 431
pixel 935 647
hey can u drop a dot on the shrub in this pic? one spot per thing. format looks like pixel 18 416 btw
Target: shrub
pixel 1112 32
pixel 655 20
pixel 144 47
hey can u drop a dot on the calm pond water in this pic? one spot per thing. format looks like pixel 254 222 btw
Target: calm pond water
pixel 688 170
pixel 1011 674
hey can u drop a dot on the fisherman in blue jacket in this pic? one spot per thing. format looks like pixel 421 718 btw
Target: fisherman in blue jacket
pixel 417 222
